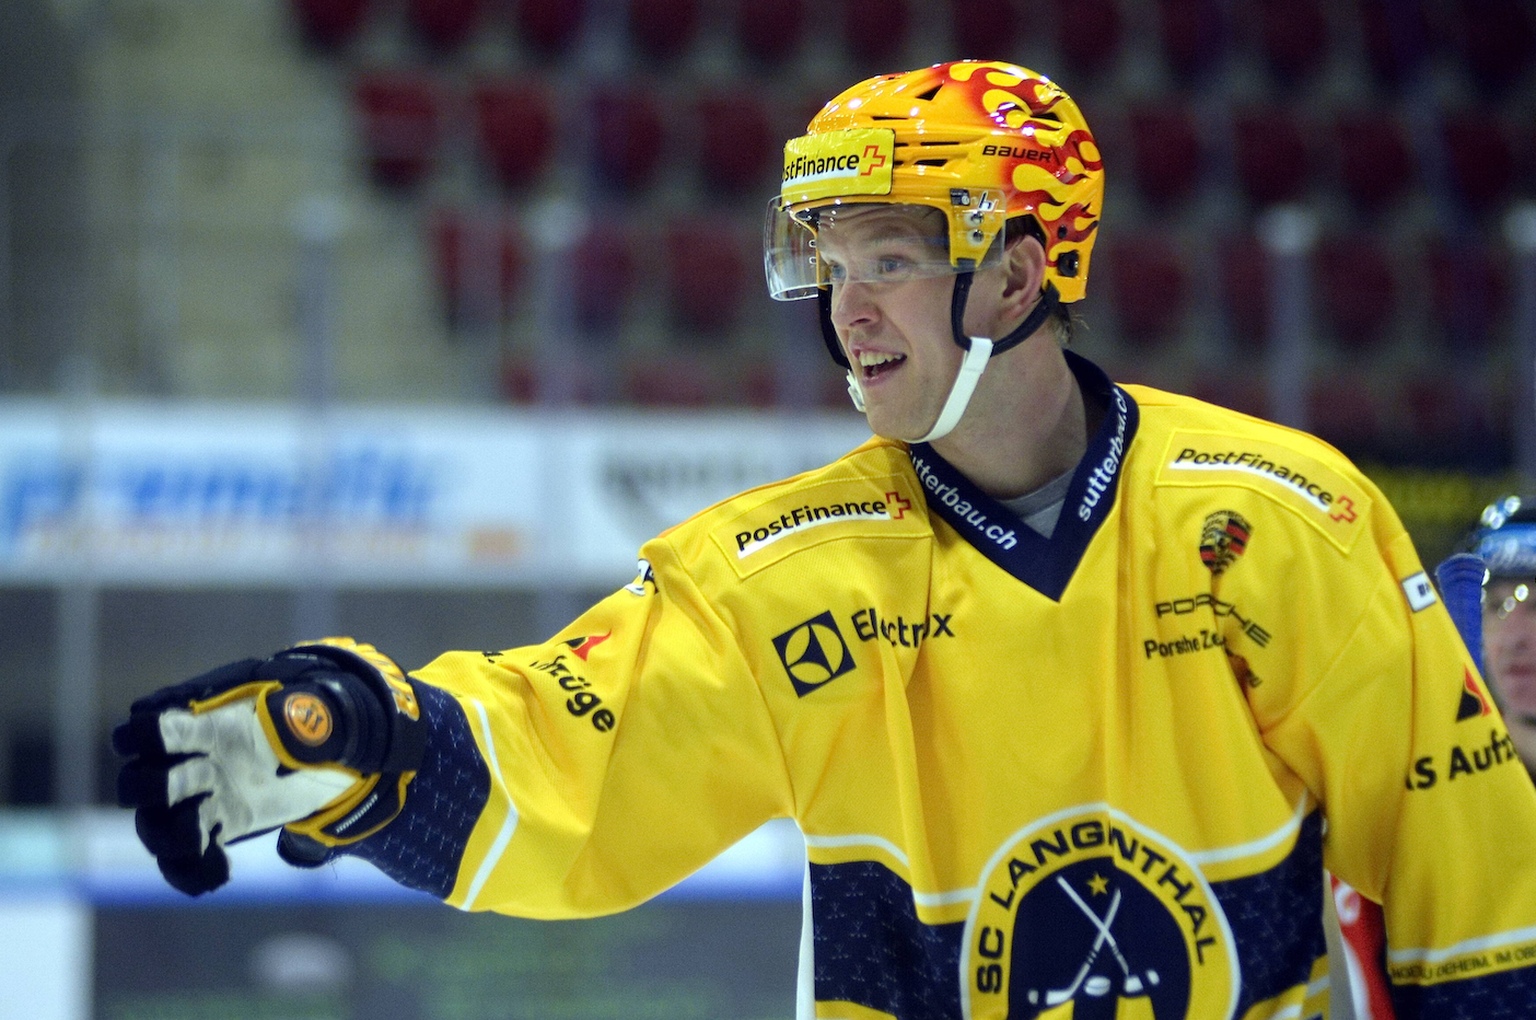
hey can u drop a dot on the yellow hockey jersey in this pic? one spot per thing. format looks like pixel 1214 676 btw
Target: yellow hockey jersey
pixel 1096 775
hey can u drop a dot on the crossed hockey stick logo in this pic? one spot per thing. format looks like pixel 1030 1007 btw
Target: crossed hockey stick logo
pixel 1132 985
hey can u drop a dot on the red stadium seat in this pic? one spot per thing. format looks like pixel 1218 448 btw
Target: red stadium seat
pixel 628 135
pixel 515 129
pixel 330 24
pixel 1238 391
pixel 984 29
pixel 479 261
pixel 1375 165
pixel 604 272
pixel 1480 158
pixel 674 382
pixel 549 27
pixel 443 25
pixel 663 29
pixel 1165 153
pixel 1088 33
pixel 1274 161
pixel 1396 35
pixel 1468 291
pixel 401 116
pixel 1147 282
pixel 1497 39
pixel 1344 410
pixel 707 275
pixel 519 380
pixel 1295 37
pixel 738 146
pixel 1244 270
pixel 1356 288
pixel 875 31
pixel 1192 34
pixel 1458 419
pixel 770 31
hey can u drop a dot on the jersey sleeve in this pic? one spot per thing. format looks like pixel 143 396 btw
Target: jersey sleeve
pixel 586 774
pixel 1377 706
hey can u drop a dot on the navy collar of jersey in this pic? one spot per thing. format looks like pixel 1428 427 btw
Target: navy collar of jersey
pixel 1045 564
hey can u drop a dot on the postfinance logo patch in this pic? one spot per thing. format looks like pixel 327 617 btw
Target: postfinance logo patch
pixel 1087 914
pixel 1320 495
pixel 813 653
pixel 857 161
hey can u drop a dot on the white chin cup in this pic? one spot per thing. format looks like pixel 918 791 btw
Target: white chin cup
pixel 971 367
pixel 855 391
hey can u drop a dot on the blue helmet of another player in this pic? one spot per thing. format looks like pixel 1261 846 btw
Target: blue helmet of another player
pixel 1505 539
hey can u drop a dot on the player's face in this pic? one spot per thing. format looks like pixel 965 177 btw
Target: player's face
pixel 890 308
pixel 1509 650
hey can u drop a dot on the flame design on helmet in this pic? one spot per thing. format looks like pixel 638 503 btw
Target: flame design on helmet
pixel 985 125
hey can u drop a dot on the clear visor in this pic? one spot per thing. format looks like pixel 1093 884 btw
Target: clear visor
pixel 858 242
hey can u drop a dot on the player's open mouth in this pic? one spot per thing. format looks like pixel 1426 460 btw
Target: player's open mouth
pixel 874 364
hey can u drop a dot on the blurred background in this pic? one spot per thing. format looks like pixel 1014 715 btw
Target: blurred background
pixel 412 319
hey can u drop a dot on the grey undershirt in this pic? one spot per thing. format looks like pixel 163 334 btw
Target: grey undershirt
pixel 1041 509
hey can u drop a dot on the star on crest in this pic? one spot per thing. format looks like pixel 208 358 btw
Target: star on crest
pixel 1099 885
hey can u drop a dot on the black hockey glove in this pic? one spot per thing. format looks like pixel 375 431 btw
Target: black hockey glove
pixel 321 739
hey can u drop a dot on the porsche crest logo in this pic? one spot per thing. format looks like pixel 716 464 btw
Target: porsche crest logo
pixel 1223 539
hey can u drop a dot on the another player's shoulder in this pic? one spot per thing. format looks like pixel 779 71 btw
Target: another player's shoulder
pixel 1188 444
pixel 869 492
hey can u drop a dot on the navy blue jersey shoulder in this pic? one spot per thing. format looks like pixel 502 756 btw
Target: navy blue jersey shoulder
pixel 1045 564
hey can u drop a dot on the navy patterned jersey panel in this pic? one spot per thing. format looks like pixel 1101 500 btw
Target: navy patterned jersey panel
pixel 422 847
pixel 1277 918
pixel 872 949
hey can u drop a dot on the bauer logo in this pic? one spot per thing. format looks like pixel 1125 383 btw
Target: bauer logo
pixel 813 653
pixel 857 161
pixel 1088 914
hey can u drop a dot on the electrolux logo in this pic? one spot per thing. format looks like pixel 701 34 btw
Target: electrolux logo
pixel 870 624
pixel 813 653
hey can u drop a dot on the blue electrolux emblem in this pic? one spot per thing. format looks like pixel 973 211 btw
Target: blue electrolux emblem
pixel 813 653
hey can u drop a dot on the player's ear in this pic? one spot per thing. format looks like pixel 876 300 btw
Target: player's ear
pixel 1024 269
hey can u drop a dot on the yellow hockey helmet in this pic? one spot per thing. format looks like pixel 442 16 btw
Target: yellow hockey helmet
pixel 981 141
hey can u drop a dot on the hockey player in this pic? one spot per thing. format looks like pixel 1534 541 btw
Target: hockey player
pixel 1061 679
pixel 1506 542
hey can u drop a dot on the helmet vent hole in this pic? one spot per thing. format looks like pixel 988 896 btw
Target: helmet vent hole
pixel 929 162
pixel 886 116
pixel 930 93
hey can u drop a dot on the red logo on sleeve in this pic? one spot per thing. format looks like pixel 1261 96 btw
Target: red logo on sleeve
pixel 1474 703
pixel 583 646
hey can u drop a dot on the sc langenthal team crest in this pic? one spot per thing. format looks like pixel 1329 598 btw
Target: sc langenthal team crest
pixel 1088 916
pixel 1223 538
